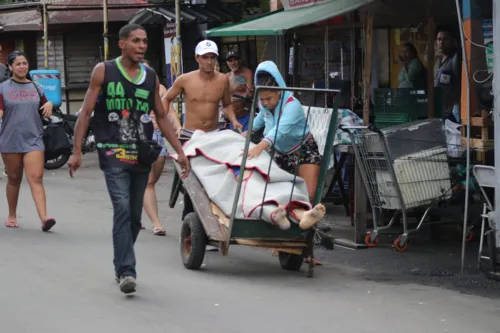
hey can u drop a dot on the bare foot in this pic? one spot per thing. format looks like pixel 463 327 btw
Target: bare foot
pixel 11 223
pixel 279 217
pixel 313 216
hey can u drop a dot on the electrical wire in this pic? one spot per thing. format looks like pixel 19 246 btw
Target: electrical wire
pixel 483 81
pixel 467 106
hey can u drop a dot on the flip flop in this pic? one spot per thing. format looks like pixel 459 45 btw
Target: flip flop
pixel 316 261
pixel 159 232
pixel 142 226
pixel 48 224
pixel 11 224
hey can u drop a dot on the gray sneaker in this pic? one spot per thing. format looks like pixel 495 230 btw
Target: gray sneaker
pixel 127 284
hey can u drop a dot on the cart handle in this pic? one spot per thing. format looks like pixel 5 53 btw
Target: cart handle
pixel 369 127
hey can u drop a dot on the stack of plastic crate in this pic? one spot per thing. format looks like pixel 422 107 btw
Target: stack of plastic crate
pixel 488 42
pixel 399 106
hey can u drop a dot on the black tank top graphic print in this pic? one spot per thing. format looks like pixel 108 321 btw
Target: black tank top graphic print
pixel 121 117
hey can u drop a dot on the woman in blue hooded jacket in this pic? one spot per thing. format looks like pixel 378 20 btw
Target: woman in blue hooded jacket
pixel 293 145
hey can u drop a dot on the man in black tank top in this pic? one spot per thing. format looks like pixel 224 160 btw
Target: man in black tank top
pixel 124 92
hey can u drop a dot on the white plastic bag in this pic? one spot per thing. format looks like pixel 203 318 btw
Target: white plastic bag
pixel 453 138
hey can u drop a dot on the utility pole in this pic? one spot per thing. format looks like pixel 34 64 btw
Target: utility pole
pixel 105 32
pixel 45 36
pixel 496 112
pixel 178 54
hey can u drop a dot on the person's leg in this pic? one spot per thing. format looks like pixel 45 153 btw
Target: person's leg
pixel 118 184
pixel 14 162
pixel 310 173
pixel 34 166
pixel 138 184
pixel 150 199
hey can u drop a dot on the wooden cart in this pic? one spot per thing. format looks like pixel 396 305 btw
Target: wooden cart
pixel 207 225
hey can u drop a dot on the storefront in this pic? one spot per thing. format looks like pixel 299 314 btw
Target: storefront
pixel 194 19
pixel 314 43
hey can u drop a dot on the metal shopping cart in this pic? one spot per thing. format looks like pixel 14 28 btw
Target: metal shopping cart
pixel 404 168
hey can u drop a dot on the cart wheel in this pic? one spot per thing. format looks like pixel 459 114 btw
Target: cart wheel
pixel 193 242
pixel 398 247
pixel 290 262
pixel 369 242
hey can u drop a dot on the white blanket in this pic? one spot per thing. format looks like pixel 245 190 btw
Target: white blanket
pixel 216 158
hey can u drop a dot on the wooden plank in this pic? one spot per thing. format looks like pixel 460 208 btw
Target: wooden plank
pixel 259 242
pixel 368 67
pixel 479 144
pixel 275 246
pixel 481 122
pixel 223 219
pixel 286 250
pixel 201 204
pixel 259 229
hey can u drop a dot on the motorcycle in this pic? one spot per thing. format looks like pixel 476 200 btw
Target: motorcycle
pixel 68 121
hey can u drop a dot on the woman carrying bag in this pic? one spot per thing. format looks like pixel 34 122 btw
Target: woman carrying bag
pixel 22 106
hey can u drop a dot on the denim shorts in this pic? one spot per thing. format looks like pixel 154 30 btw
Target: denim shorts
pixel 158 137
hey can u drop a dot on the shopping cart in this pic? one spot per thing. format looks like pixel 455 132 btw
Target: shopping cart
pixel 403 168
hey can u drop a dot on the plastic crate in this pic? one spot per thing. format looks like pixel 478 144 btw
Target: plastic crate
pixel 386 120
pixel 411 102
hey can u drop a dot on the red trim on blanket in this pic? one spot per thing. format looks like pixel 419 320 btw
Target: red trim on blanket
pixel 198 152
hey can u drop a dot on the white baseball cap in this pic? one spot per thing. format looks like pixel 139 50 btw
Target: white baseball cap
pixel 206 46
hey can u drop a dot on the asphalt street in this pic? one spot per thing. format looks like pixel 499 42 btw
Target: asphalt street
pixel 63 281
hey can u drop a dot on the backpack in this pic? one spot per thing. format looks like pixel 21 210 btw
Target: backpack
pixel 4 73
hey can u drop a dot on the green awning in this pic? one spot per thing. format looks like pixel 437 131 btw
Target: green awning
pixel 277 22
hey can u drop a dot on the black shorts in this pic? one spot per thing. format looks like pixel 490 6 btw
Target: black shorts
pixel 307 154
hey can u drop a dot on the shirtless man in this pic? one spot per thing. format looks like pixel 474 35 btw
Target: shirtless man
pixel 241 83
pixel 203 90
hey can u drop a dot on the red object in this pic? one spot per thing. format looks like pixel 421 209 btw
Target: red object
pixel 333 20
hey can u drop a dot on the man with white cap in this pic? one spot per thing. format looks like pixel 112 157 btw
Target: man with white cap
pixel 203 91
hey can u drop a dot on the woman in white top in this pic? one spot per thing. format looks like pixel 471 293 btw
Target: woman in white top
pixel 150 199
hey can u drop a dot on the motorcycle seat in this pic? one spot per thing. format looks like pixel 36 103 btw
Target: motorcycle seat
pixel 70 117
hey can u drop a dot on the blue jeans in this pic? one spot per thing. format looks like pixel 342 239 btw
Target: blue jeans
pixel 126 189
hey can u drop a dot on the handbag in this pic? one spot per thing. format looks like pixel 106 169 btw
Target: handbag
pixel 56 141
pixel 148 152
pixel 55 137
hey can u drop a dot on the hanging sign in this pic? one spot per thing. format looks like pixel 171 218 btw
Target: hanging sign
pixel 293 4
pixel 170 43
